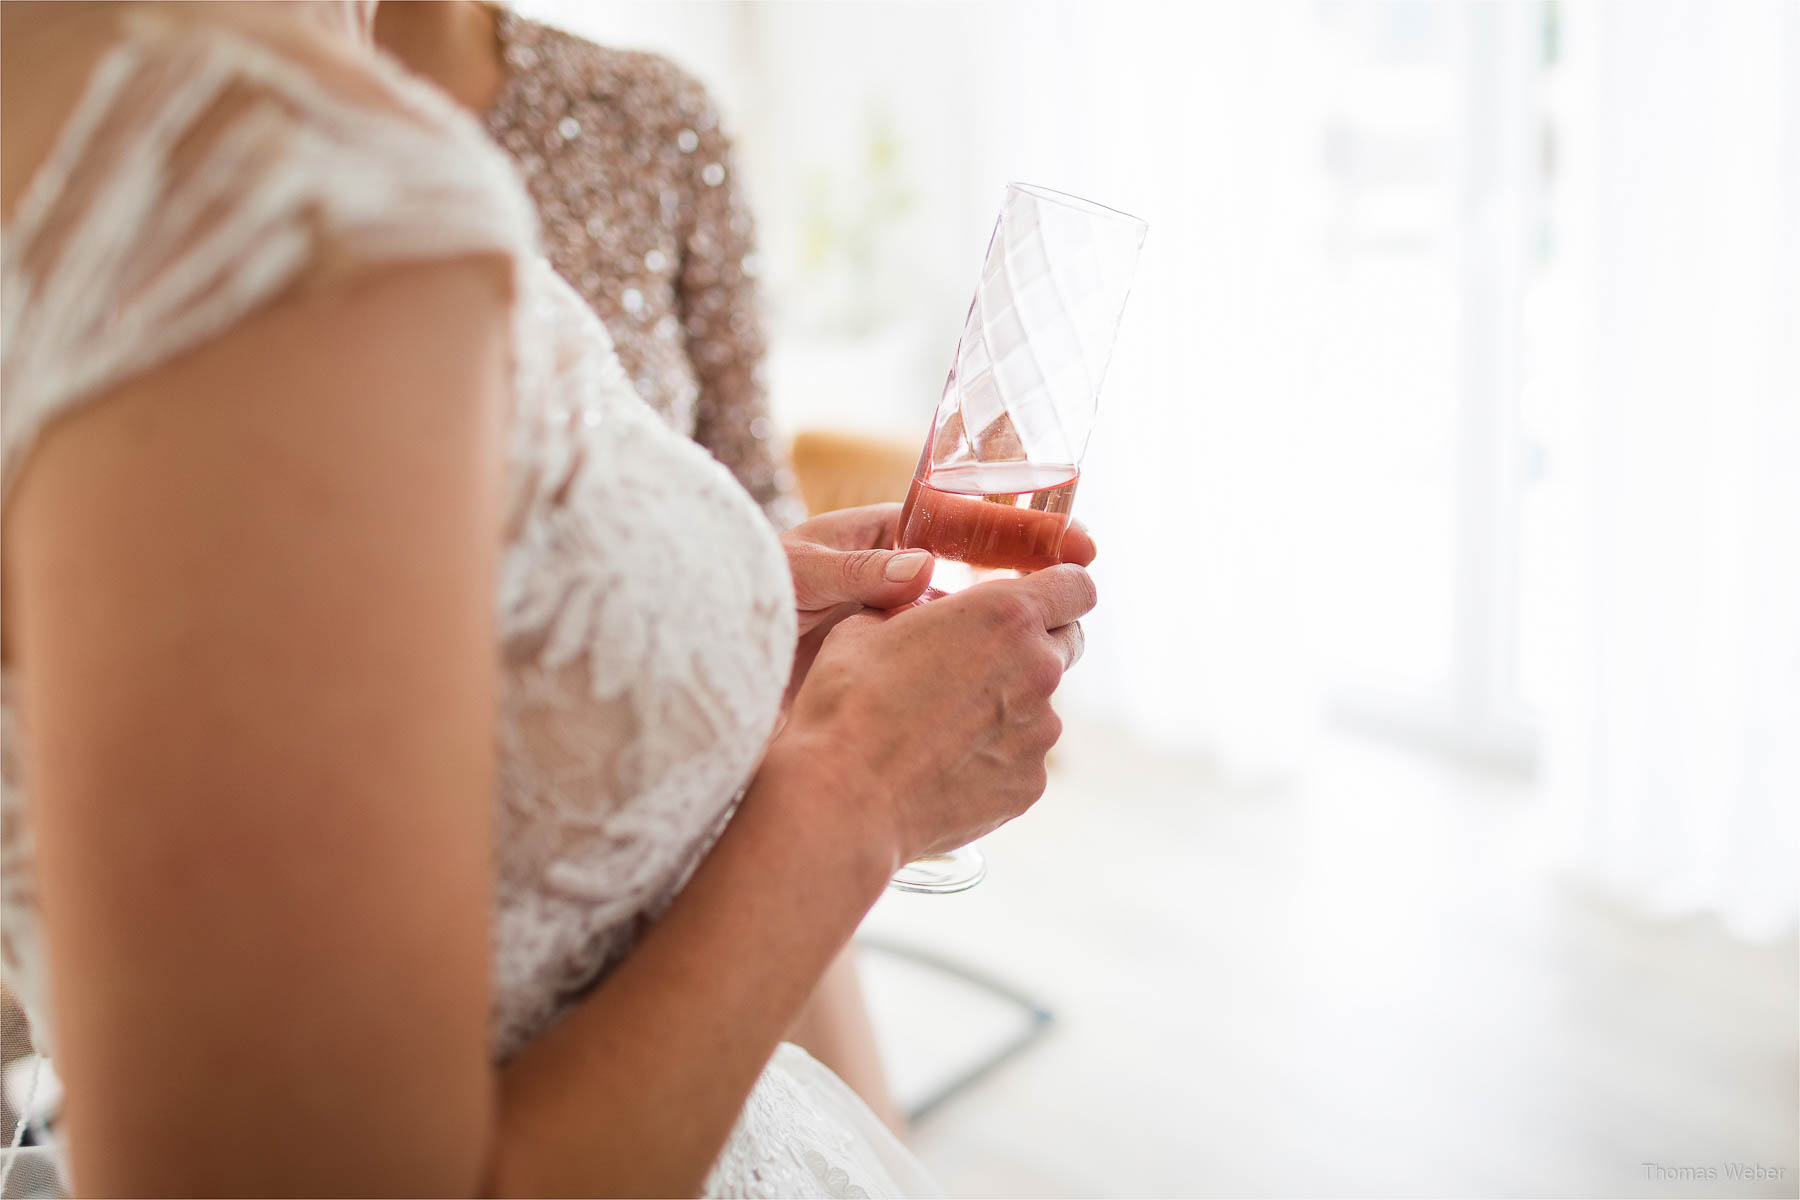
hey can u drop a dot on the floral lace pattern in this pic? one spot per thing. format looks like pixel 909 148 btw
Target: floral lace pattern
pixel 848 1152
pixel 644 613
pixel 647 626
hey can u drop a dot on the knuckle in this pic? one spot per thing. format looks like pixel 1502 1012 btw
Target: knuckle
pixel 1012 612
pixel 1087 594
pixel 1044 672
pixel 803 564
pixel 856 566
pixel 1077 642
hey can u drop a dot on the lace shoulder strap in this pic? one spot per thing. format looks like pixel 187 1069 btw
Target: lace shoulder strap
pixel 205 173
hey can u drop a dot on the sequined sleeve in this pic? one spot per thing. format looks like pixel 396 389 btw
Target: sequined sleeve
pixel 641 214
pixel 721 314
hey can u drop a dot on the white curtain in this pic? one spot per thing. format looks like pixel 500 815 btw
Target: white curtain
pixel 1205 121
pixel 1676 744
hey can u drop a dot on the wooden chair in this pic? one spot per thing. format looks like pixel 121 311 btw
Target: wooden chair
pixel 844 470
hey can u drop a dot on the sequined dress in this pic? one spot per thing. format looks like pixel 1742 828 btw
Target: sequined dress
pixel 641 212
pixel 644 616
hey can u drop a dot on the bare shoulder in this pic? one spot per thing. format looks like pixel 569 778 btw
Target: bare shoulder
pixel 327 381
pixel 325 349
pixel 386 390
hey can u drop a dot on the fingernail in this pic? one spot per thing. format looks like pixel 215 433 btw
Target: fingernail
pixel 903 567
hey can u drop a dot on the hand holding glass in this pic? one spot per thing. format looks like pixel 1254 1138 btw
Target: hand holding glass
pixel 995 483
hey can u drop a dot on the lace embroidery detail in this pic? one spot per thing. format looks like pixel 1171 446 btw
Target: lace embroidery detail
pixel 758 1162
pixel 647 626
pixel 835 1180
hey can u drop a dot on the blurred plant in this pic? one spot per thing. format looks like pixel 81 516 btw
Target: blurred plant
pixel 848 244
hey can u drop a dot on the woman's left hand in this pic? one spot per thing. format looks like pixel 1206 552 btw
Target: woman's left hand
pixel 841 560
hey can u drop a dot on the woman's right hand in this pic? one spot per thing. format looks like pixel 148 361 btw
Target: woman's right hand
pixel 937 716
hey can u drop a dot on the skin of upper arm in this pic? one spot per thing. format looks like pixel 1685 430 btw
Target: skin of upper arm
pixel 251 607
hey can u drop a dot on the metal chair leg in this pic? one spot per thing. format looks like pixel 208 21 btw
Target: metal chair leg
pixel 1040 1019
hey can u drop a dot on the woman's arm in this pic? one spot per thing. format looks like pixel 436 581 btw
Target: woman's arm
pixel 251 608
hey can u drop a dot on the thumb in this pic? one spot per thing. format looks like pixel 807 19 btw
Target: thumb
pixel 824 578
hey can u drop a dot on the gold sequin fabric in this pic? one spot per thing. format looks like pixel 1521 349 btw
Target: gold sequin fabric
pixel 633 182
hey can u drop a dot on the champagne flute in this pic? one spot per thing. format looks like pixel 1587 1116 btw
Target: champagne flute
pixel 996 480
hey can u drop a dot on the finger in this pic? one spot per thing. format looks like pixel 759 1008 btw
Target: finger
pixel 1078 545
pixel 868 527
pixel 1070 642
pixel 1060 594
pixel 825 578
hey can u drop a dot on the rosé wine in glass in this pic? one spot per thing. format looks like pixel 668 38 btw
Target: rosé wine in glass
pixel 988 520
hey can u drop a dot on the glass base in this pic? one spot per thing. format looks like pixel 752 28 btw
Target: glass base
pixel 941 874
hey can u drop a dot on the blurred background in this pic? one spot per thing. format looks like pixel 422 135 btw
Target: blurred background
pixel 1427 817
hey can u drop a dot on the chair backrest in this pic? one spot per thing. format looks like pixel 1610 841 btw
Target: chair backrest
pixel 844 470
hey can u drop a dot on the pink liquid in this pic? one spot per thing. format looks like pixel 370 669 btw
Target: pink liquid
pixel 984 520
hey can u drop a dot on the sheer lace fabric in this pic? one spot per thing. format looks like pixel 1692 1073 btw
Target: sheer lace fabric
pixel 644 614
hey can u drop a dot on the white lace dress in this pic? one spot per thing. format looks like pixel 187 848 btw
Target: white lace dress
pixel 645 615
